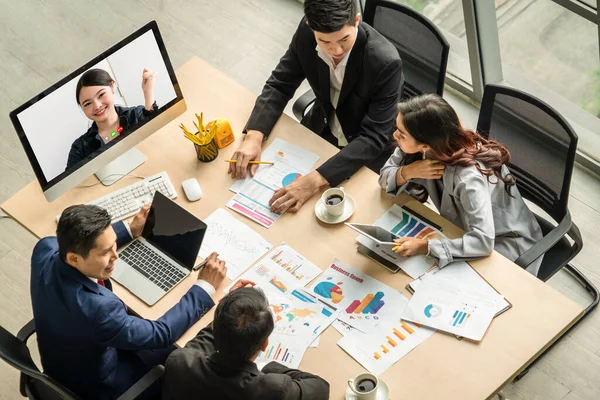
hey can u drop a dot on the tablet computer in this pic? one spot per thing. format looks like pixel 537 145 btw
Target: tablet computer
pixel 376 233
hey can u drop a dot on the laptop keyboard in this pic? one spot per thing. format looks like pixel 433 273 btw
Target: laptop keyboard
pixel 154 267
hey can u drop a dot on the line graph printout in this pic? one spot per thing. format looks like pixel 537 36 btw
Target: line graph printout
pixel 237 244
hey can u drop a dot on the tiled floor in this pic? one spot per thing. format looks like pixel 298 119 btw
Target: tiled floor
pixel 42 41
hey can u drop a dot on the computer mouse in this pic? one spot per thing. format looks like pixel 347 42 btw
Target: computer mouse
pixel 192 189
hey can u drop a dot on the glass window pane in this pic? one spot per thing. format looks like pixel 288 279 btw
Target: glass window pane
pixel 449 18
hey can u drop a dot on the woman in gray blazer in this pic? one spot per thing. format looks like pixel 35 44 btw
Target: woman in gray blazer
pixel 465 177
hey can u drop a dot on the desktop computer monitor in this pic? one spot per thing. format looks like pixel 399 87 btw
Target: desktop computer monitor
pixel 90 120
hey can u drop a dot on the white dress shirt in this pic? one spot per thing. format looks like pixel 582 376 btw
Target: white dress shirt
pixel 336 79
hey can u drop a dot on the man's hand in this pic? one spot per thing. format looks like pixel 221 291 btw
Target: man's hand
pixel 137 225
pixel 214 271
pixel 242 283
pixel 424 169
pixel 249 150
pixel 410 246
pixel 294 195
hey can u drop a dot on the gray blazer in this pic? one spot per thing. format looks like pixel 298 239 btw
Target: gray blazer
pixel 493 221
pixel 198 371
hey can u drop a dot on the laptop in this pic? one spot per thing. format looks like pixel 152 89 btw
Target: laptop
pixel 164 255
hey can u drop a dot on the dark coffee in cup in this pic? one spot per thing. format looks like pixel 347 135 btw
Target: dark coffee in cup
pixel 366 385
pixel 334 199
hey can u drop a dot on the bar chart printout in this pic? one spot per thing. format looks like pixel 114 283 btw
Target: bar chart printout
pixel 292 262
pixel 283 350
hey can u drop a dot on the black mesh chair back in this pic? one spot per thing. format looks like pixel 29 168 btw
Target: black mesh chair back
pixel 34 384
pixel 422 47
pixel 541 142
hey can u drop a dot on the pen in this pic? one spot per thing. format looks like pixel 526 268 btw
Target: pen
pixel 202 264
pixel 253 162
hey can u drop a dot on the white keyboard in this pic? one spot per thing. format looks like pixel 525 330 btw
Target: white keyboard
pixel 128 201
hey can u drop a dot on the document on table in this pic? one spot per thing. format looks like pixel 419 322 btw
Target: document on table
pixel 280 150
pixel 465 275
pixel 253 198
pixel 361 300
pixel 404 224
pixel 283 350
pixel 450 307
pixel 388 343
pixel 237 244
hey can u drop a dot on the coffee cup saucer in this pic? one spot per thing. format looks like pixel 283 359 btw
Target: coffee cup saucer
pixel 324 216
pixel 383 392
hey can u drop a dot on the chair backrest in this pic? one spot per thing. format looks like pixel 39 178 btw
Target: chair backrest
pixel 421 45
pixel 541 142
pixel 16 354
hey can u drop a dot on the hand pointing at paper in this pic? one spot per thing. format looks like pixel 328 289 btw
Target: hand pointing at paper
pixel 293 196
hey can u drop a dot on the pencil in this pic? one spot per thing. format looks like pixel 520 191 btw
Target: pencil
pixel 253 162
pixel 395 247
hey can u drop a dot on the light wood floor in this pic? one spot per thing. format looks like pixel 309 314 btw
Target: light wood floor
pixel 42 41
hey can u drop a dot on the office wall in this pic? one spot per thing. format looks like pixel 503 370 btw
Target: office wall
pixel 53 123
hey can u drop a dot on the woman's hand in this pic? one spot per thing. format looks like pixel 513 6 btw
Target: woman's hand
pixel 424 169
pixel 148 77
pixel 410 246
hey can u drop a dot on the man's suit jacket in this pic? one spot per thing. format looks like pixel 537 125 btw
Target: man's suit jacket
pixel 366 107
pixel 86 338
pixel 199 371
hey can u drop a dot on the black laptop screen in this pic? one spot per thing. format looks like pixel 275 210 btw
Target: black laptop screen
pixel 174 231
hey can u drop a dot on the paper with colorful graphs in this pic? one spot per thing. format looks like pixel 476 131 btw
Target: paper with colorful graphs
pixel 362 302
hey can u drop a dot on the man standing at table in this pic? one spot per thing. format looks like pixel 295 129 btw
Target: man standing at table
pixel 356 75
pixel 87 340
pixel 219 362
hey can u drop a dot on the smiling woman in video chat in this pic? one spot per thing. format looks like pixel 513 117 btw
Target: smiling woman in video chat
pixel 95 95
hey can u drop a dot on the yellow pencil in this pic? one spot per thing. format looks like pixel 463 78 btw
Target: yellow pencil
pixel 253 162
pixel 395 247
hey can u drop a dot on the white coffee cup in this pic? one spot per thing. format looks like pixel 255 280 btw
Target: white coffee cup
pixel 334 210
pixel 357 386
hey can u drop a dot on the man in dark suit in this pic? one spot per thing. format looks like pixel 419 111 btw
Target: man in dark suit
pixel 356 75
pixel 219 362
pixel 87 340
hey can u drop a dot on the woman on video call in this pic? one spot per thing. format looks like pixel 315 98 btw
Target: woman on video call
pixel 95 95
pixel 467 180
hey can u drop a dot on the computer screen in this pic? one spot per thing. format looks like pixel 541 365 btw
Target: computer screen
pixel 90 117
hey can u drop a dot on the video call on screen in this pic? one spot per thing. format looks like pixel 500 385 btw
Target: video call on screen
pixel 75 123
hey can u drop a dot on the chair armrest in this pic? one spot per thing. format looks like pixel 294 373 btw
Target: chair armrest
pixel 144 383
pixel 300 106
pixel 546 242
pixel 26 331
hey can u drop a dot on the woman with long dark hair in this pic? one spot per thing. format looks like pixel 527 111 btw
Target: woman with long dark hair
pixel 466 178
pixel 94 93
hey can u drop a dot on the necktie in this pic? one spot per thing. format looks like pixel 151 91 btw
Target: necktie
pixel 101 282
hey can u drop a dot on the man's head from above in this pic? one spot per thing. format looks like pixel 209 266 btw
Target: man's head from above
pixel 242 324
pixel 87 241
pixel 334 24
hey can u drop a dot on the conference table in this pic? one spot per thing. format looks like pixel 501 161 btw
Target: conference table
pixel 441 367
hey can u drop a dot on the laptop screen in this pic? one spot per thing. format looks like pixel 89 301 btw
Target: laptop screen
pixel 173 230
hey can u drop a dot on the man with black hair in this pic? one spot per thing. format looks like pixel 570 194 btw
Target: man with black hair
pixel 356 76
pixel 219 362
pixel 87 340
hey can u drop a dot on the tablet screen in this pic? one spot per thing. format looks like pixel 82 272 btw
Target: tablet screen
pixel 375 232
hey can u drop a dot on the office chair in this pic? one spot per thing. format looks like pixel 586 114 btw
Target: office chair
pixel 542 145
pixel 36 385
pixel 421 45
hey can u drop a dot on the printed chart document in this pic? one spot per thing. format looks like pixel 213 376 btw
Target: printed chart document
pixel 283 350
pixel 361 300
pixel 237 244
pixel 450 307
pixel 466 276
pixel 388 343
pixel 282 270
pixel 252 200
pixel 280 150
pixel 404 224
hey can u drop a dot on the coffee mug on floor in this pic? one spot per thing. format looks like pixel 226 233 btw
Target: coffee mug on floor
pixel 334 200
pixel 364 386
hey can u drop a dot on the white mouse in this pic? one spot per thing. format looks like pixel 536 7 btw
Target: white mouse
pixel 192 189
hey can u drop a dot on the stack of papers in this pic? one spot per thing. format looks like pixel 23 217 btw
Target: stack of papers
pixel 237 244
pixel 451 307
pixel 404 224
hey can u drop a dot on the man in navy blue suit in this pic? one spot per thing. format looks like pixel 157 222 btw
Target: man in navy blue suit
pixel 86 338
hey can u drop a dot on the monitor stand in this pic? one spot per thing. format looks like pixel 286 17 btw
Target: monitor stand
pixel 120 166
